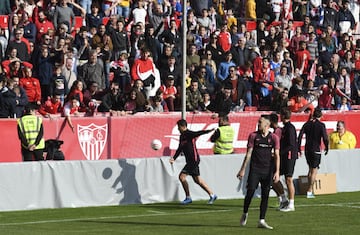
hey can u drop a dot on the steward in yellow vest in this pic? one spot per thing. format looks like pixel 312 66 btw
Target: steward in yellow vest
pixel 31 133
pixel 223 137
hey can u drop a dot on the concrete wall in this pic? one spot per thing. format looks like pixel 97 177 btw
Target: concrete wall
pixel 51 184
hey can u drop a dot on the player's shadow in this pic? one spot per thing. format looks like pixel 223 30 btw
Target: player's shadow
pixel 126 183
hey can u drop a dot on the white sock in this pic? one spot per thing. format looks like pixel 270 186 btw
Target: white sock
pixel 309 193
pixel 291 203
pixel 262 221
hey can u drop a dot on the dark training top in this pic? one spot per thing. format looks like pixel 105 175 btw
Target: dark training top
pixel 288 141
pixel 188 147
pixel 314 131
pixel 261 156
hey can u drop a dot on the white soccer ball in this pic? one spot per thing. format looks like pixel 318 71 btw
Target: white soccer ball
pixel 156 144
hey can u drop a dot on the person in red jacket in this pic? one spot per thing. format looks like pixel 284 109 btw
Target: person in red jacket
pixel 42 24
pixel 302 58
pixel 224 39
pixel 31 86
pixel 51 106
pixel 264 79
pixel 144 69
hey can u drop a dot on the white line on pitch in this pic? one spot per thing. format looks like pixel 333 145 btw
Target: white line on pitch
pixel 113 217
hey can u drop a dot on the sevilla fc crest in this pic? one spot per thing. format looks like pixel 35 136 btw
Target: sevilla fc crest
pixel 92 140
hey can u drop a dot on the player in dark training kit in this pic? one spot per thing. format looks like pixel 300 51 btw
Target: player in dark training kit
pixel 259 154
pixel 188 147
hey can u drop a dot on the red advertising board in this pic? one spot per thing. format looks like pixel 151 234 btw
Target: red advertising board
pixel 99 137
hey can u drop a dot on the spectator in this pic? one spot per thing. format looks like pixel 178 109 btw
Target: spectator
pixel 224 39
pixel 19 94
pixel 344 82
pixel 95 16
pixel 280 101
pixel 222 103
pixel 118 37
pixel 298 103
pixel 58 85
pixel 239 89
pixel 113 101
pixel 92 96
pixel 31 86
pixel 282 81
pixel 42 24
pixel 76 91
pixel 123 9
pixel 152 42
pixel 46 64
pixel 192 57
pixel 331 16
pixel 93 71
pixel 145 70
pixel 5 8
pixel 20 44
pixel 121 70
pixel 217 53
pixel 342 138
pixel 51 107
pixel 250 11
pixel 169 92
pixel 64 15
pixel 133 104
pixel 31 135
pixel 346 19
pixel 264 79
pixel 194 99
pixel 241 52
pixel 71 108
pixel 68 73
pixel 223 70
pixel 330 96
pixel 345 105
pixel 29 28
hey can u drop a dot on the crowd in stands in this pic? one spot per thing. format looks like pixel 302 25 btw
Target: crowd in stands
pixel 126 56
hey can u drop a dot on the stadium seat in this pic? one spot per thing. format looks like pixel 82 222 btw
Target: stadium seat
pixel 105 20
pixel 250 25
pixel 4 23
pixel 78 22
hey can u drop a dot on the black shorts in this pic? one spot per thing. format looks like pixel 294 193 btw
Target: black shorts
pixel 313 159
pixel 191 169
pixel 287 166
pixel 255 178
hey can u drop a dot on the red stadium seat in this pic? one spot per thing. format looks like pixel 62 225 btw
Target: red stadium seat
pixel 250 25
pixel 78 22
pixel 4 23
pixel 105 20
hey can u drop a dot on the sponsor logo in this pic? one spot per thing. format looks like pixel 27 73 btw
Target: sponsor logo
pixel 92 140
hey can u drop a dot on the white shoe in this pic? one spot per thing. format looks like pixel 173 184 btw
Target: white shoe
pixel 243 219
pixel 287 209
pixel 310 195
pixel 264 225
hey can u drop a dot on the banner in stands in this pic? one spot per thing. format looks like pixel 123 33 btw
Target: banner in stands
pixel 101 137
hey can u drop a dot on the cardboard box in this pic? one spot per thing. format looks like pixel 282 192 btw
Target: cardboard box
pixel 324 184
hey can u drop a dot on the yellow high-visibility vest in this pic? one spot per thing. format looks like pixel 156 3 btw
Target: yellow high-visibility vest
pixel 30 126
pixel 224 144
